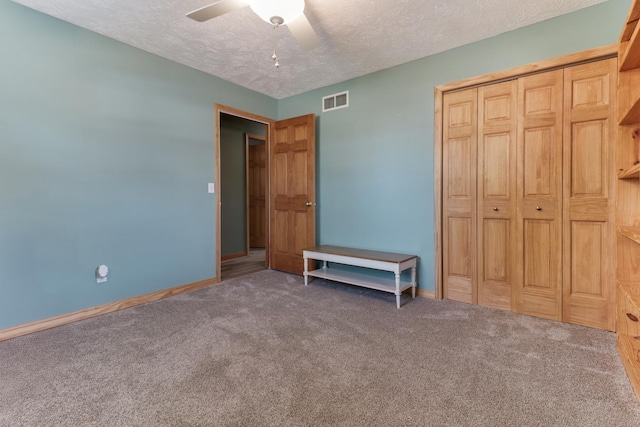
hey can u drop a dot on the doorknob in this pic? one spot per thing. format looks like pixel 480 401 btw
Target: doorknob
pixel 309 204
pixel 538 208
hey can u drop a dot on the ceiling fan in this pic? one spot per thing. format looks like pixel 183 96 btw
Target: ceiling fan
pixel 274 12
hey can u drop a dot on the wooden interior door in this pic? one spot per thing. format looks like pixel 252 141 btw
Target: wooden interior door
pixel 292 195
pixel 539 196
pixel 257 191
pixel 589 214
pixel 459 164
pixel 496 243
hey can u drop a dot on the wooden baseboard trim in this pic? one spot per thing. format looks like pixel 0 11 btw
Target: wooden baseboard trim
pixel 64 319
pixel 424 293
pixel 232 256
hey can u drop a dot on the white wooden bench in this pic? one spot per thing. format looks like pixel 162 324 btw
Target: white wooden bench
pixel 395 263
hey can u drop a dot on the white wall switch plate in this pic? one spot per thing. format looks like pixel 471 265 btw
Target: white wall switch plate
pixel 212 188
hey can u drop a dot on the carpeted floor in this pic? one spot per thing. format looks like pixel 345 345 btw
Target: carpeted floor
pixel 265 350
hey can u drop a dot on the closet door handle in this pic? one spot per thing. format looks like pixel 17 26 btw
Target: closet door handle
pixel 496 209
pixel 538 208
pixel 632 317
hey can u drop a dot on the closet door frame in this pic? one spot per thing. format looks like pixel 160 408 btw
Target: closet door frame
pixel 609 51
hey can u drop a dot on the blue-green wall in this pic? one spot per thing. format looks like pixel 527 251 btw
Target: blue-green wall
pixel 375 158
pixel 105 156
pixel 105 153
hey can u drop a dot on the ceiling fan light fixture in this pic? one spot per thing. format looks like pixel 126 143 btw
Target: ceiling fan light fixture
pixel 277 12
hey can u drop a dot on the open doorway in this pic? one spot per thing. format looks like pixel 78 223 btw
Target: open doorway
pixel 254 235
pixel 242 194
pixel 290 176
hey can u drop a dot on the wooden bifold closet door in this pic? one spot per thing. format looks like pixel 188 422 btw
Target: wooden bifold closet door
pixel 589 179
pixel 496 182
pixel 538 289
pixel 527 185
pixel 459 170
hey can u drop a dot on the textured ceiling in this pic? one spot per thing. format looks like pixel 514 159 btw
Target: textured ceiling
pixel 358 36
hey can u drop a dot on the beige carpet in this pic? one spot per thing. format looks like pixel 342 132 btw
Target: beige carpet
pixel 264 350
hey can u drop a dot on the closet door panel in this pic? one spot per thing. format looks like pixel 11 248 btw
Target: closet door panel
pixel 496 150
pixel 459 265
pixel 497 126
pixel 459 175
pixel 588 266
pixel 589 133
pixel 588 151
pixel 540 166
pixel 460 188
pixel 496 264
pixel 538 284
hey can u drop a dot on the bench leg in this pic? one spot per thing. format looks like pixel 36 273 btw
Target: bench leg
pixel 306 271
pixel 413 282
pixel 398 290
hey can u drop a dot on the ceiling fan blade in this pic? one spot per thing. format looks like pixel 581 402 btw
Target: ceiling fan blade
pixel 217 9
pixel 304 33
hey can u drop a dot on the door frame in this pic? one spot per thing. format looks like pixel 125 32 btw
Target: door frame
pixel 247 137
pixel 604 52
pixel 223 109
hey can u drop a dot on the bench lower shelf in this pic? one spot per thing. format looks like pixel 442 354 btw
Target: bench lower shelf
pixel 359 279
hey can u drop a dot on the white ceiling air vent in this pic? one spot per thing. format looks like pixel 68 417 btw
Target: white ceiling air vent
pixel 335 101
